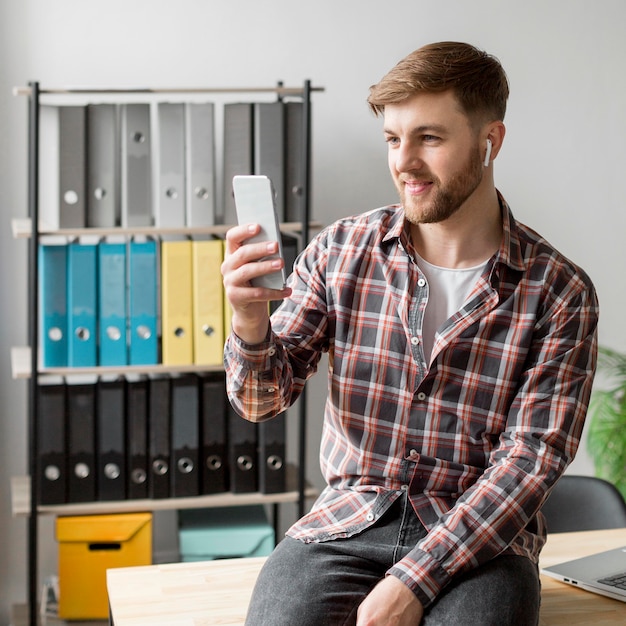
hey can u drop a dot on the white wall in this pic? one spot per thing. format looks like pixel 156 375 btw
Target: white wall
pixel 561 168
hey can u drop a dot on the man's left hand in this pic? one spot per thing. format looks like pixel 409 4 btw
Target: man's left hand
pixel 390 603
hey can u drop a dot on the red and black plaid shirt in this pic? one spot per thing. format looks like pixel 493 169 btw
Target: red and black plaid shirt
pixel 477 437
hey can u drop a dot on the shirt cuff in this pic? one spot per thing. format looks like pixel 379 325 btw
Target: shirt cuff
pixel 422 575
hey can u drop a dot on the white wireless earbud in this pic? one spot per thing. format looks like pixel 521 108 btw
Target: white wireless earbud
pixel 488 153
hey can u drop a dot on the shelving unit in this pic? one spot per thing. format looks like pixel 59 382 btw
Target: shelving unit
pixel 24 360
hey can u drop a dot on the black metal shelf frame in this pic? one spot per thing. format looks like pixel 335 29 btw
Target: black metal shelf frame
pixel 33 92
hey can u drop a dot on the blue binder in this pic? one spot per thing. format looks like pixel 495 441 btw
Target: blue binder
pixel 53 298
pixel 112 303
pixel 81 305
pixel 142 295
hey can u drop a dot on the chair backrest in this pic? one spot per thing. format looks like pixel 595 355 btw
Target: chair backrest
pixel 584 503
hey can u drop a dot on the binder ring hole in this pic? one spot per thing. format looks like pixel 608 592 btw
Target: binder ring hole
pixel 144 332
pixel 207 329
pixel 214 462
pixel 179 332
pixel 185 465
pixel 201 193
pixel 245 463
pixel 274 462
pixel 82 333
pixel 52 472
pixel 70 197
pixel 81 470
pixel 138 137
pixel 99 193
pixel 159 467
pixel 55 334
pixel 112 471
pixel 138 476
pixel 113 333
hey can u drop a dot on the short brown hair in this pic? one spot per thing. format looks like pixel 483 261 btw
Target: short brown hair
pixel 476 78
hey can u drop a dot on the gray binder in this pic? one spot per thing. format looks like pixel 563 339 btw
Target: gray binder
pixel 73 144
pixel 62 166
pixel 200 164
pixel 170 201
pixel 136 179
pixel 294 162
pixel 269 147
pixel 102 166
pixel 238 152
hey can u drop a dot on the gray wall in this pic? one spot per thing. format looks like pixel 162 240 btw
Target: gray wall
pixel 561 167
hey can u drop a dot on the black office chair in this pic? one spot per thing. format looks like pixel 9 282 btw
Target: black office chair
pixel 584 503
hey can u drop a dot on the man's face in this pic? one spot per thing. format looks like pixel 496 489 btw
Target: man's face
pixel 434 156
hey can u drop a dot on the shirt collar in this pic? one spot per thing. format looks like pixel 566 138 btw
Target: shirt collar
pixel 510 252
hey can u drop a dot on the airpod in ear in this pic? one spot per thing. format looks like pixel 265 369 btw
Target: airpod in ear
pixel 488 153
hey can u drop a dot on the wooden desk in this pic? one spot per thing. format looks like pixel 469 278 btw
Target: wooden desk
pixel 218 592
pixel 564 604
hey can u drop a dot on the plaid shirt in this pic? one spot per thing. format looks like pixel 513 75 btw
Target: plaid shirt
pixel 478 437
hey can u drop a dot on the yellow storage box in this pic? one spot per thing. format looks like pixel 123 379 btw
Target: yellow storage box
pixel 88 546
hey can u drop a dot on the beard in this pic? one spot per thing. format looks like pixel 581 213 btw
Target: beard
pixel 445 198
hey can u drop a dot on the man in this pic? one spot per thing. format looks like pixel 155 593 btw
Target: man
pixel 461 351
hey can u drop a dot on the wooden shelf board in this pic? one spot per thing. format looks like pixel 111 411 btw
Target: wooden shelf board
pixel 20 501
pixel 21 367
pixel 22 229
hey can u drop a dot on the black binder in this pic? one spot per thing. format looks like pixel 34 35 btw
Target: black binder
pixel 159 437
pixel 51 462
pixel 272 461
pixel 81 413
pixel 242 453
pixel 137 438
pixel 185 475
pixel 111 440
pixel 213 431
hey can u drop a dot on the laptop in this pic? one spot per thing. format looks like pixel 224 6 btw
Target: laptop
pixel 603 573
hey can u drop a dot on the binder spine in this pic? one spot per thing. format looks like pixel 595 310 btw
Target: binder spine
pixel 200 164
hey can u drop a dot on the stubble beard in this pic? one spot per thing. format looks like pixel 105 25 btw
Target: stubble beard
pixel 446 199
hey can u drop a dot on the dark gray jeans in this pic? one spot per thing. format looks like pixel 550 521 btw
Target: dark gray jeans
pixel 322 584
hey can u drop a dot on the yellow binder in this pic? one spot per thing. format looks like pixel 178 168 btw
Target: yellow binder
pixel 208 302
pixel 176 303
pixel 228 312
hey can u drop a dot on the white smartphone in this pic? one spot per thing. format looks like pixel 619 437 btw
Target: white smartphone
pixel 255 204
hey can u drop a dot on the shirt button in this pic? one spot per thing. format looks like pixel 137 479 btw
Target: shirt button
pixel 421 396
pixel 271 389
pixel 406 487
pixel 421 282
pixel 415 340
pixel 272 351
pixel 413 452
pixel 370 517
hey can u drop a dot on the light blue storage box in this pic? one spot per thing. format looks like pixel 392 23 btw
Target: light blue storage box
pixel 224 533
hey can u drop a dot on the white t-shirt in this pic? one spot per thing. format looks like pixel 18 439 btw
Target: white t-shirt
pixel 448 290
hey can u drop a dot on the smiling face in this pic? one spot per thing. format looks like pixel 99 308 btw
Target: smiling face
pixel 434 156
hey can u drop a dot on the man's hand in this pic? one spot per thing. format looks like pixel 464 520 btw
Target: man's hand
pixel 390 603
pixel 241 263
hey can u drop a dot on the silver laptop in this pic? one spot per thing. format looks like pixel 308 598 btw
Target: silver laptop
pixel 603 573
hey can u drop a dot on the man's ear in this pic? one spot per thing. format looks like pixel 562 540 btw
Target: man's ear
pixel 494 138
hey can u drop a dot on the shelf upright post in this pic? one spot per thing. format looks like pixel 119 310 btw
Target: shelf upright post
pixel 33 338
pixel 306 212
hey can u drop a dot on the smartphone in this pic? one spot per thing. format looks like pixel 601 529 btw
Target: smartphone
pixel 255 204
